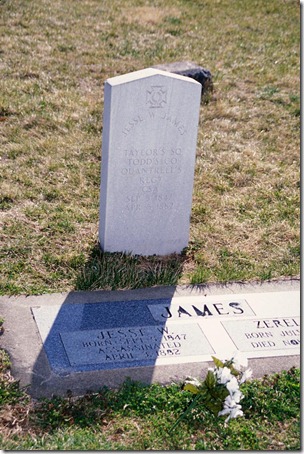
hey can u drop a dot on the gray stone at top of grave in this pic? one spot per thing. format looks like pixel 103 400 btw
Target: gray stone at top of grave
pixel 148 157
pixel 190 69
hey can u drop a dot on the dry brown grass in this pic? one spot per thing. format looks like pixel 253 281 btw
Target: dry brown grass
pixel 54 59
pixel 148 15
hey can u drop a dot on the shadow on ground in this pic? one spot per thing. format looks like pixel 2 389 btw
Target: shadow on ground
pixel 100 338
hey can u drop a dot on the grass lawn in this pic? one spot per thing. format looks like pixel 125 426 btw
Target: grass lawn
pixel 54 59
pixel 139 417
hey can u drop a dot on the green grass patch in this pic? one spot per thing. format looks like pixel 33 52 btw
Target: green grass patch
pixel 121 271
pixel 141 417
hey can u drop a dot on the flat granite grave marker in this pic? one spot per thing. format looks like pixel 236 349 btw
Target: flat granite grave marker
pixel 135 344
pixel 148 157
pixel 81 341
pixel 265 334
pixel 125 334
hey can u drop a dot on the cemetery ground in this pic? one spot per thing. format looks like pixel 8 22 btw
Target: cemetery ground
pixel 245 213
pixel 139 417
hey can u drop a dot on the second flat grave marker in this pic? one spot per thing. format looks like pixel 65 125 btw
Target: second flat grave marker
pixel 264 334
pixel 148 157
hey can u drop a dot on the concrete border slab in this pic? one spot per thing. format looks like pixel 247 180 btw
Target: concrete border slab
pixel 24 340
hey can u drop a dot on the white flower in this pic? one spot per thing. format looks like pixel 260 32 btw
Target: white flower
pixel 233 401
pixel 239 360
pixel 232 385
pixel 224 375
pixel 247 374
pixel 237 396
pixel 224 412
pixel 229 402
pixel 235 412
pixel 231 408
pixel 193 381
pixel 232 381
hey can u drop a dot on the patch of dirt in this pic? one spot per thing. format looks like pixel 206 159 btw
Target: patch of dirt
pixel 148 14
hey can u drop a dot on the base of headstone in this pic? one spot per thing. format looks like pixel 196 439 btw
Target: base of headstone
pixel 82 341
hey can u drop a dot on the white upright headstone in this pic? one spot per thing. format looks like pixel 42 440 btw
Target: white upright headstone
pixel 148 156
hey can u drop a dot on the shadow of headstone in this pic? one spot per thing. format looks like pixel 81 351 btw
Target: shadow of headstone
pixel 96 339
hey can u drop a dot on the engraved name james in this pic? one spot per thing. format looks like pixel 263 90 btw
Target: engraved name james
pixel 201 310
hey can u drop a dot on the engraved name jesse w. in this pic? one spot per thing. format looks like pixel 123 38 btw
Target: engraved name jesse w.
pixel 124 344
